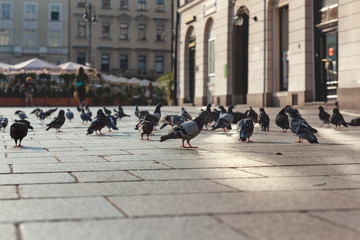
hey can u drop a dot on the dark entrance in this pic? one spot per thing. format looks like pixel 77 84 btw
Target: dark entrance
pixel 241 40
pixel 192 51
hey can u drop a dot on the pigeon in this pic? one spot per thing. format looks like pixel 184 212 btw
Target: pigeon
pixel 300 127
pixel 3 123
pixel 185 114
pixel 145 126
pixel 69 115
pixel 237 116
pixel 157 114
pixel 35 110
pixel 57 122
pixel 25 122
pixel 99 123
pixel 17 132
pixel 187 130
pixel 85 117
pixel 209 118
pixel 264 120
pixel 107 111
pixel 50 111
pixel 78 108
pixel 222 110
pixel 225 119
pixel 337 119
pixel 252 114
pixel 137 111
pixel 246 129
pixel 354 122
pixel 282 120
pixel 22 115
pixel 173 120
pixel 148 116
pixel 111 122
pixel 41 115
pixel 120 113
pixel 324 116
pixel 18 111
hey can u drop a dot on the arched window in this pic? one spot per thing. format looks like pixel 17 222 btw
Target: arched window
pixel 211 49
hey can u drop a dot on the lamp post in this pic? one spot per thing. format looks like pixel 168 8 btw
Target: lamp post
pixel 90 16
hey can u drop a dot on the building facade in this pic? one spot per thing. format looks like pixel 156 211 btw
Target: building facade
pixel 128 38
pixel 269 52
pixel 36 28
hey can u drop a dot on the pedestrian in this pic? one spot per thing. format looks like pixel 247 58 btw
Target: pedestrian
pixel 148 94
pixel 28 88
pixel 81 80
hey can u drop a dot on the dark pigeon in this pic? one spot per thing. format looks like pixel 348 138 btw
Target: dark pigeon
pixel 354 122
pixel 41 115
pixel 25 122
pixel 252 114
pixel 17 132
pixel 57 122
pixel 120 113
pixel 264 120
pixel 157 113
pixel 145 126
pixel 187 130
pixel 50 111
pixel 300 127
pixel 99 123
pixel 246 129
pixel 111 122
pixel 324 116
pixel 69 115
pixel 337 119
pixel 85 117
pixel 282 120
pixel 209 118
pixel 185 114
pixel 107 111
pixel 3 123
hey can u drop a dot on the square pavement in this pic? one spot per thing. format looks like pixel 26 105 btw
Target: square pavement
pixel 70 185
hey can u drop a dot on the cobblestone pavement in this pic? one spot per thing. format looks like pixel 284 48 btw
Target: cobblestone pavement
pixel 70 185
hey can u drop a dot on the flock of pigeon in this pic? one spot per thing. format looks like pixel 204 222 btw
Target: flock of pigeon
pixel 184 127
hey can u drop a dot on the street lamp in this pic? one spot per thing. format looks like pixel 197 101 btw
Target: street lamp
pixel 90 16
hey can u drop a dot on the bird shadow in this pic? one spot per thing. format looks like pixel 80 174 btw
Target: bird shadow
pixel 33 148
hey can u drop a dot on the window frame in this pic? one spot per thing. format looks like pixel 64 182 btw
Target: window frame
pixel 127 5
pixel 59 12
pixel 122 70
pixel 51 38
pixel 27 13
pixel 9 13
pixel 162 64
pixel 108 25
pixel 107 4
pixel 142 5
pixel 30 37
pixel 160 7
pixel 78 29
pixel 139 64
pixel 5 37
pixel 138 31
pixel 102 65
pixel 121 32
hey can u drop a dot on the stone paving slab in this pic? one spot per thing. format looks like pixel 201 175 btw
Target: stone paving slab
pixel 288 184
pixel 8 232
pixel 214 203
pixel 81 159
pixel 56 209
pixel 27 160
pixel 120 188
pixel 105 176
pixel 349 219
pixel 175 228
pixel 35 178
pixel 290 226
pixel 8 192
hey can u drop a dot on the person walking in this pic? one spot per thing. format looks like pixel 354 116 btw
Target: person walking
pixel 81 80
pixel 29 88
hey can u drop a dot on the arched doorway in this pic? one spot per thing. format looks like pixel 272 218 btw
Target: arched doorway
pixel 240 55
pixel 190 54
pixel 209 61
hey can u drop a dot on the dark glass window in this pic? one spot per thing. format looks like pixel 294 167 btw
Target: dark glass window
pixel 142 63
pixel 160 5
pixel 105 3
pixel 159 64
pixel 81 58
pixel 105 63
pixel 141 5
pixel 124 4
pixel 124 63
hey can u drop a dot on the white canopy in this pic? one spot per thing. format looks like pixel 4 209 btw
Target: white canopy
pixel 134 80
pixel 114 79
pixel 35 64
pixel 72 67
pixel 4 66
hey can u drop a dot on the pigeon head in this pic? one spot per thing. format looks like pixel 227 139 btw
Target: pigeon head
pixel 321 108
pixel 61 113
pixel 222 108
pixel 291 112
pixel 208 107
pixel 231 107
pixel 261 110
pixel 99 112
pixel 335 110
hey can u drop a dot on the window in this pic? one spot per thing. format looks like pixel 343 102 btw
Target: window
pixel 4 37
pixel 30 38
pixel 30 12
pixel 81 29
pixel 141 5
pixel 105 63
pixel 326 3
pixel 142 64
pixel 160 33
pixel 124 63
pixel 160 5
pixel 105 30
pixel 105 4
pixel 5 11
pixel 81 3
pixel 284 47
pixel 54 39
pixel 159 64
pixel 211 49
pixel 81 58
pixel 124 31
pixel 142 32
pixel 124 4
pixel 55 13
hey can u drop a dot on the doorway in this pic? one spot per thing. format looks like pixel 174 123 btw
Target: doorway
pixel 192 51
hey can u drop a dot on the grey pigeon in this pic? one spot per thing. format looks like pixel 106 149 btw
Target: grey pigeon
pixel 99 123
pixel 22 115
pixel 3 123
pixel 57 122
pixel 225 119
pixel 111 122
pixel 173 120
pixel 85 117
pixel 209 118
pixel 324 116
pixel 187 130
pixel 246 129
pixel 264 120
pixel 157 114
pixel 17 132
pixel 300 127
pixel 185 114
pixel 282 120
pixel 69 115
pixel 137 111
pixel 337 119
